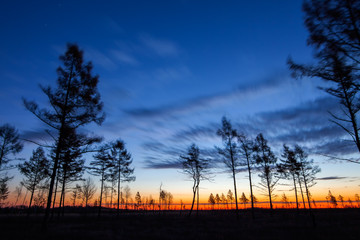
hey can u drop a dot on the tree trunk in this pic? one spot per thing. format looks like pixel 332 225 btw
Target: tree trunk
pixel 251 190
pixel 193 201
pixel 101 192
pixel 296 197
pixel 31 198
pixel 302 193
pixel 119 187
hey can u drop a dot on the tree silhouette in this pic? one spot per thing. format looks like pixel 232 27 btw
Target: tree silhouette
pixel 334 31
pixel 74 103
pixel 121 170
pixel 230 197
pixel 289 168
pixel 197 169
pixel 4 189
pixel 308 171
pixel 244 199
pixel 246 149
pixel 230 152
pixel 35 171
pixel 285 200
pixel 211 200
pixel 266 161
pixel 87 190
pixel 9 144
pixel 331 199
pixel 218 200
pixel 138 200
pixel 100 166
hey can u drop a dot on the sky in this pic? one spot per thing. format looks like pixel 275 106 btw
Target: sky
pixel 169 71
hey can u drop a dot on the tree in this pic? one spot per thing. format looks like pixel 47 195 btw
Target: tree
pixel 230 197
pixel 331 199
pixel 127 192
pixel 121 170
pixel 307 171
pixel 341 199
pixel 266 161
pixel 230 152
pixel 246 150
pixel 211 200
pixel 244 199
pixel 197 169
pixel 334 31
pixel 4 189
pixel 87 190
pixel 100 167
pixel 289 168
pixel 138 199
pixel 74 103
pixel 35 171
pixel 18 192
pixel 285 200
pixel 217 200
pixel 9 144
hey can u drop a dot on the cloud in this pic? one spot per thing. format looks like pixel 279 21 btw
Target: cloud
pixel 124 57
pixel 163 48
pixel 331 178
pixel 100 59
pixel 206 101
pixel 156 164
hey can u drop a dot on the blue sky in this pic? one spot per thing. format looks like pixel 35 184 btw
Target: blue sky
pixel 169 70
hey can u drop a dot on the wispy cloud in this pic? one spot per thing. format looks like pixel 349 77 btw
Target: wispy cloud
pixel 206 101
pixel 331 178
pixel 124 57
pixel 163 48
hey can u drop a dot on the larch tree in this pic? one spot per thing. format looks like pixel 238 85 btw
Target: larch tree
pixel 334 33
pixel 100 166
pixel 230 152
pixel 266 161
pixel 289 168
pixel 74 102
pixel 35 171
pixel 10 144
pixel 197 169
pixel 121 170
pixel 246 150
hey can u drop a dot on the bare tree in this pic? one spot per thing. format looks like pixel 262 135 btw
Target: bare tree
pixel 87 190
pixel 74 103
pixel 127 192
pixel 266 161
pixel 197 169
pixel 230 152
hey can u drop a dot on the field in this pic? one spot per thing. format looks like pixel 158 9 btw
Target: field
pixel 281 224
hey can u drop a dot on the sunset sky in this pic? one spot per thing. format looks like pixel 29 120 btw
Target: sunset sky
pixel 169 71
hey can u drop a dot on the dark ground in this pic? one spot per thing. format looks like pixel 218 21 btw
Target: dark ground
pixel 282 224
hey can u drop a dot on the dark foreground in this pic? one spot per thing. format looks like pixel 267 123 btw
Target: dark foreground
pixel 282 224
